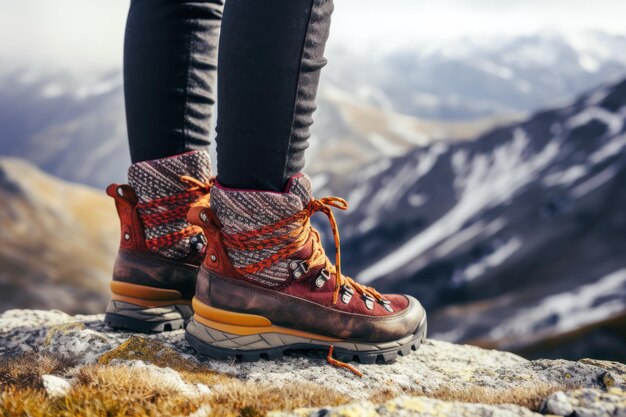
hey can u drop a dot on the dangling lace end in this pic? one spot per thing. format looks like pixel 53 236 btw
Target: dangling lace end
pixel 340 364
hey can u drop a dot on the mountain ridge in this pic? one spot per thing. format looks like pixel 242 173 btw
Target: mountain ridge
pixel 537 202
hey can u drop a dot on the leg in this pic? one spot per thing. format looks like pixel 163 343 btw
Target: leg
pixel 266 285
pixel 169 72
pixel 271 55
pixel 170 64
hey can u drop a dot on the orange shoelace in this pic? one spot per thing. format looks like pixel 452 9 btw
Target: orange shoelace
pixel 291 241
pixel 339 364
pixel 268 237
pixel 175 207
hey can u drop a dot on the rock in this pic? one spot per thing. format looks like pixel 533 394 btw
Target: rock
pixel 558 404
pixel 616 375
pixel 587 402
pixel 405 406
pixel 55 386
pixel 203 411
pixel 441 378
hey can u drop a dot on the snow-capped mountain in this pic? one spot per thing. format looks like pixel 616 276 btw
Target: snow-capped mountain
pixel 350 133
pixel 514 236
pixel 69 126
pixel 73 125
pixel 478 77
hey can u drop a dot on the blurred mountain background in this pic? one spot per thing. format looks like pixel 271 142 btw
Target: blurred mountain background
pixel 485 171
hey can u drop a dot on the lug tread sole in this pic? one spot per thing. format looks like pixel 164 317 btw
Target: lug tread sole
pixel 126 316
pixel 376 355
pixel 116 321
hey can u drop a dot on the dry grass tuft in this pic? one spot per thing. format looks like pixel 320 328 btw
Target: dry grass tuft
pixel 529 396
pixel 116 392
pixel 121 382
pixel 121 391
pixel 25 371
pixel 87 401
pixel 249 399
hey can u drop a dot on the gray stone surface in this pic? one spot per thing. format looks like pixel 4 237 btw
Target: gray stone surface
pixel 587 402
pixel 405 406
pixel 437 366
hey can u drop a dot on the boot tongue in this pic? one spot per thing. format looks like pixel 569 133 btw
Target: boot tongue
pixel 160 178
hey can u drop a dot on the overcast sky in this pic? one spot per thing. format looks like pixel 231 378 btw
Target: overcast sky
pixel 89 33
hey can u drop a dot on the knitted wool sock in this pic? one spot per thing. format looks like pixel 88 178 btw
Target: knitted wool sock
pixel 164 201
pixel 246 210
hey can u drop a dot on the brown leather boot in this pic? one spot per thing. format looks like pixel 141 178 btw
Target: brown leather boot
pixel 266 284
pixel 154 276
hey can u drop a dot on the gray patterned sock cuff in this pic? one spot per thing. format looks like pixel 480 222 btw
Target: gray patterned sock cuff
pixel 247 210
pixel 160 178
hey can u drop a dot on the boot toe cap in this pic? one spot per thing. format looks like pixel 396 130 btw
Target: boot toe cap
pixel 407 317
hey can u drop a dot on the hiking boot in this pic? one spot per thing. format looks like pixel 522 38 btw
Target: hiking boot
pixel 154 276
pixel 266 285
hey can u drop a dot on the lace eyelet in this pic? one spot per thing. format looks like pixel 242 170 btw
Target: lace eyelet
pixel 198 242
pixel 298 268
pixel 368 301
pixel 346 294
pixel 322 279
pixel 386 305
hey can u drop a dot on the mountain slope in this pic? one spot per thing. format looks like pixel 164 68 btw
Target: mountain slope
pixel 523 229
pixel 350 133
pixel 67 125
pixel 57 241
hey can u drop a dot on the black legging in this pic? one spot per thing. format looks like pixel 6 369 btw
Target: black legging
pixel 270 58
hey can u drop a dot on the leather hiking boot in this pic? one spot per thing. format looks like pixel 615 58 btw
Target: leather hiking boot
pixel 154 276
pixel 266 285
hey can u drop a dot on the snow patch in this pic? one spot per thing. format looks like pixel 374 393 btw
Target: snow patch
pixel 100 88
pixel 484 181
pixel 492 68
pixel 608 150
pixel 594 182
pixel 569 310
pixel 52 90
pixel 614 122
pixel 501 253
pixel 566 177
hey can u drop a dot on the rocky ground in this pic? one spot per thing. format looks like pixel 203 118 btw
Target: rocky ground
pixel 56 364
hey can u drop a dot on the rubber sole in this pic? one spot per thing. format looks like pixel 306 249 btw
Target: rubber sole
pixel 136 318
pixel 250 348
